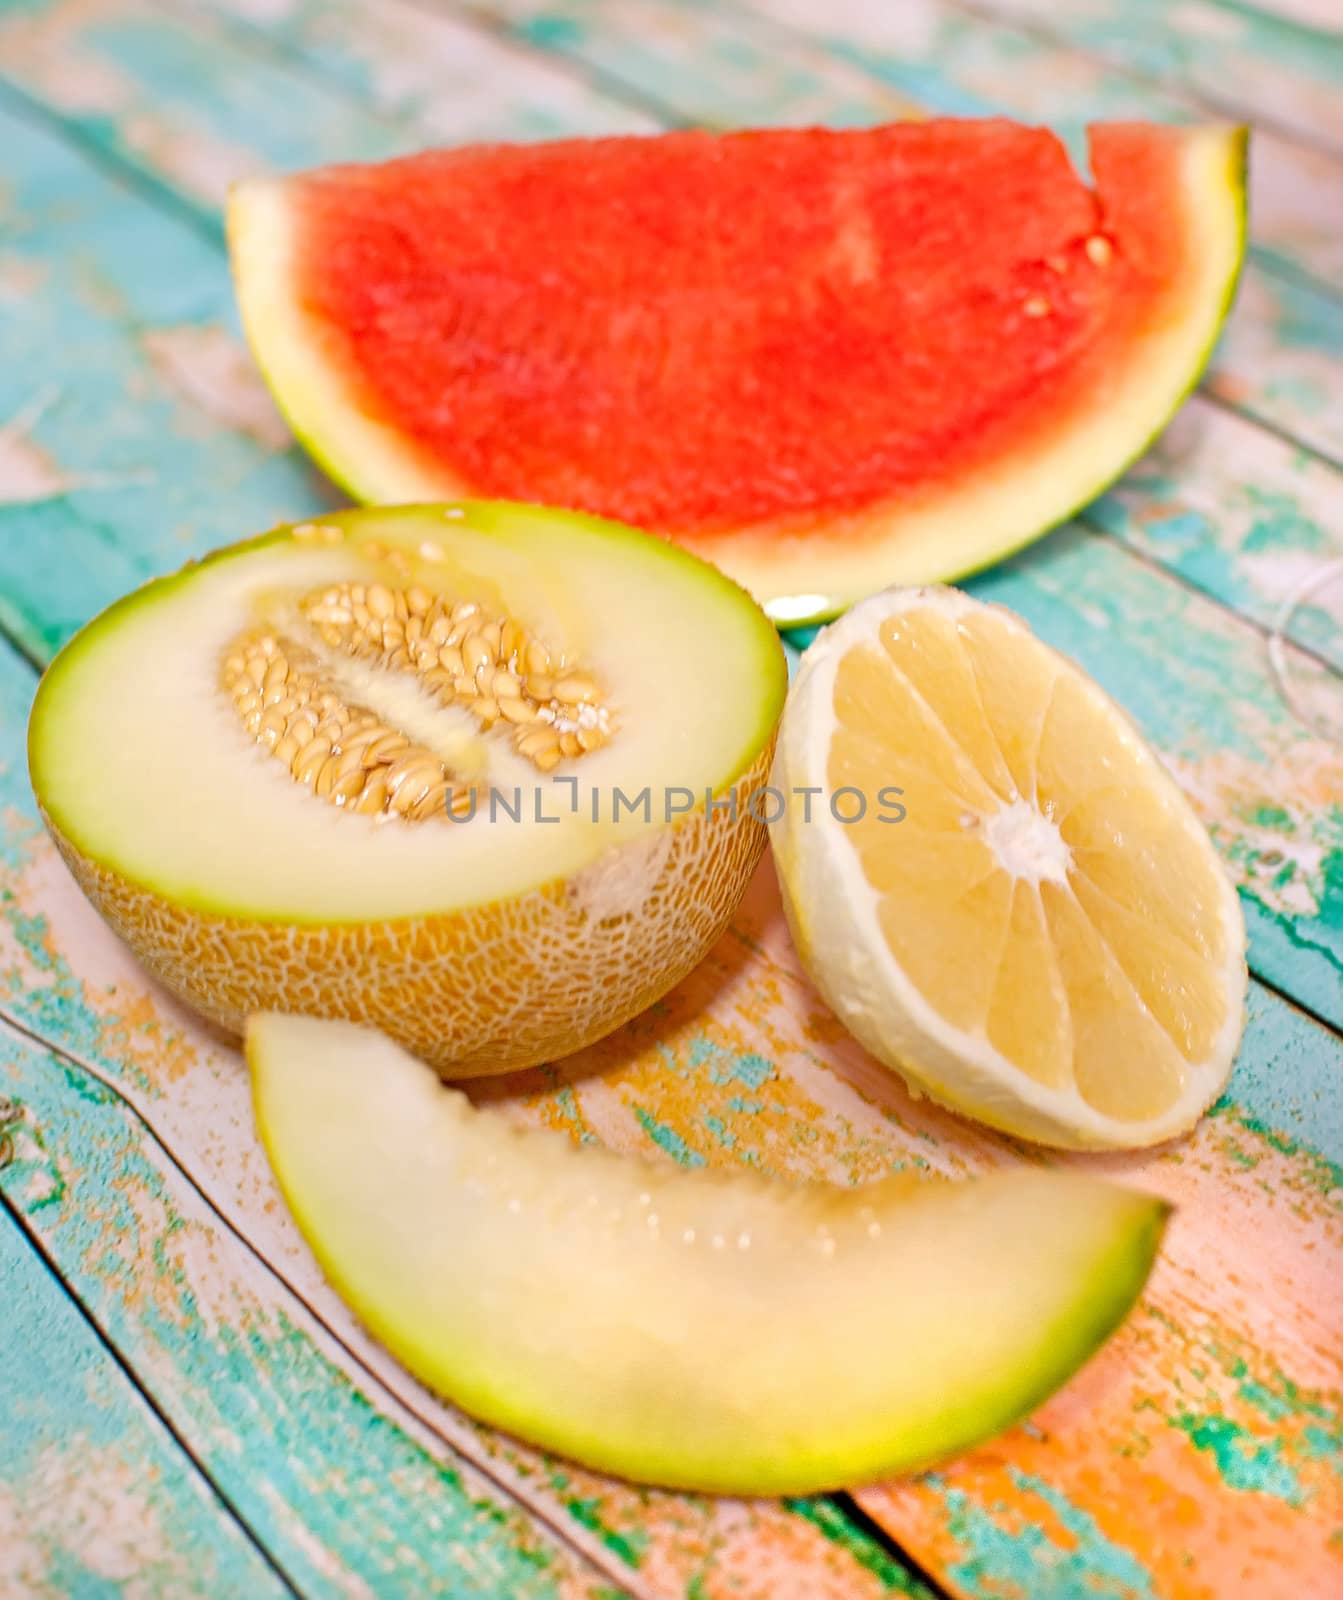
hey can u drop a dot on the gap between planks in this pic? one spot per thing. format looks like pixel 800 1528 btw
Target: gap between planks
pixel 868 1525
pixel 1298 1005
pixel 1266 631
pixel 588 1548
pixel 484 21
pixel 1284 436
pixel 140 180
pixel 52 1268
pixel 1006 17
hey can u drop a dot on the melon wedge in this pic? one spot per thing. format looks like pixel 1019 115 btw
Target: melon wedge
pixel 443 769
pixel 827 361
pixel 707 1330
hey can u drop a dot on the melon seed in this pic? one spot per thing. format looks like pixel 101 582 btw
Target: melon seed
pixel 573 687
pixel 344 754
pixel 463 655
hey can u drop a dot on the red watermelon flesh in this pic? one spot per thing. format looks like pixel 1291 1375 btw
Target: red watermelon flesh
pixel 801 336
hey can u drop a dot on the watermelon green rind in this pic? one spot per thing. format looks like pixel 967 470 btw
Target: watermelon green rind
pixel 808 575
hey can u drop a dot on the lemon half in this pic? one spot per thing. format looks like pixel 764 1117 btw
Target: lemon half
pixel 1046 940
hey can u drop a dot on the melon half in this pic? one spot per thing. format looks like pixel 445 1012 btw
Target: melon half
pixel 826 361
pixel 369 768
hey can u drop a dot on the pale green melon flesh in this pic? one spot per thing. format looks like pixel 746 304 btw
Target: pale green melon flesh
pixel 141 761
pixel 698 1329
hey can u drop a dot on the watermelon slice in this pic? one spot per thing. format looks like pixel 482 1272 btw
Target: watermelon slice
pixel 826 361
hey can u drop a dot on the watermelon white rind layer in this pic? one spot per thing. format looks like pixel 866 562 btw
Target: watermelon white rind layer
pixel 804 570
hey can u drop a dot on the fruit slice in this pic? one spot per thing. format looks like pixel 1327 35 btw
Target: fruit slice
pixel 440 769
pixel 826 361
pixel 707 1330
pixel 1046 940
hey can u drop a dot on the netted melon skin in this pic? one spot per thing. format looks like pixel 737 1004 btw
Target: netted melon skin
pixel 489 989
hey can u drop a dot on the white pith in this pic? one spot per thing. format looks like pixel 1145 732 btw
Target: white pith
pixel 834 912
pixel 1027 843
pixel 144 762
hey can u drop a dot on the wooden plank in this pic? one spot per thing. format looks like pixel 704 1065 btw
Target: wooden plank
pixel 66 979
pixel 1215 1406
pixel 188 102
pixel 1319 15
pixel 988 1573
pixel 346 1502
pixel 94 1491
pixel 1236 58
pixel 127 401
pixel 446 77
pixel 1241 515
pixel 1279 360
pixel 143 311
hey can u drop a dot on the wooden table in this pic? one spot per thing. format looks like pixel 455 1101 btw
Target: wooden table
pixel 187 1408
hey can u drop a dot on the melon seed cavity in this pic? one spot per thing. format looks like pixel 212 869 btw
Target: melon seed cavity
pixel 458 651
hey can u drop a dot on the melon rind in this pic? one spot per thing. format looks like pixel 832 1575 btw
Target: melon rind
pixel 808 570
pixel 480 988
pixel 487 989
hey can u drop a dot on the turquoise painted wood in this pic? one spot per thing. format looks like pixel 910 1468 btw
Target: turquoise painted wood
pixel 133 434
pixel 95 1494
pixel 126 401
pixel 340 1499
pixel 709 1092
